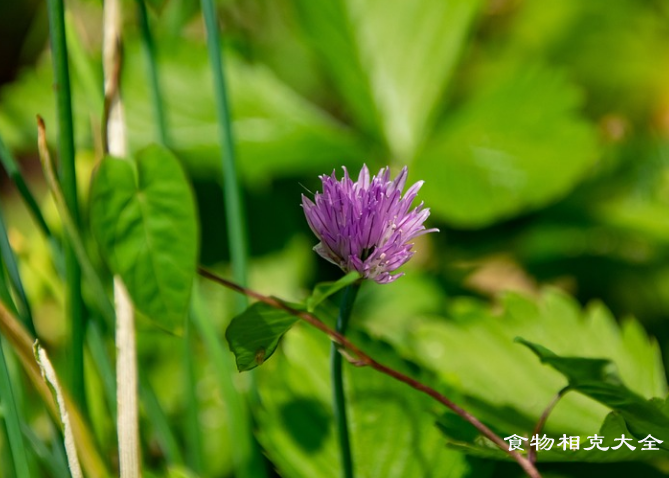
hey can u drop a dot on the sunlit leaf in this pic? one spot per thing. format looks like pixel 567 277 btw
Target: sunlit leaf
pixel 598 379
pixel 473 350
pixel 277 132
pixel 515 145
pixel 391 60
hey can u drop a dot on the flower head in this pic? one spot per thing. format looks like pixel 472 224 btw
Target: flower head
pixel 366 225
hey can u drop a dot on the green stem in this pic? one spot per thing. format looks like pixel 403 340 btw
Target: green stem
pixel 7 256
pixel 11 166
pixel 71 231
pixel 193 435
pixel 156 91
pixel 161 426
pixel 234 212
pixel 339 395
pixel 68 179
pixel 247 459
pixel 51 459
pixel 154 411
pixel 9 163
pixel 12 421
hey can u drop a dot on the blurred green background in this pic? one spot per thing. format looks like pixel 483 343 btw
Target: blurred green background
pixel 540 127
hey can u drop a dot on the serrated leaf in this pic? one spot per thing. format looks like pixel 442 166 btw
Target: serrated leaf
pixel 254 334
pixel 516 145
pixel 324 290
pixel 475 354
pixel 597 378
pixel 143 217
pixel 397 88
pixel 391 425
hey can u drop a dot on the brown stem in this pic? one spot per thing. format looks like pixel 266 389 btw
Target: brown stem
pixel 362 359
pixel 532 453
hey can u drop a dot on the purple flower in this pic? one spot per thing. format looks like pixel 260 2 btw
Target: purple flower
pixel 366 226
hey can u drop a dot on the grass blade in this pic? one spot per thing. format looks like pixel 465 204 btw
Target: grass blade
pixel 49 375
pixel 7 256
pixel 162 431
pixel 66 152
pixel 152 69
pixel 50 459
pixel 22 344
pixel 247 460
pixel 11 167
pixel 234 212
pixel 96 346
pixel 154 411
pixel 70 228
pixel 193 432
pixel 12 420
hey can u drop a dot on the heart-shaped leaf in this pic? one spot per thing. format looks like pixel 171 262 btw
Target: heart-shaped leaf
pixel 143 217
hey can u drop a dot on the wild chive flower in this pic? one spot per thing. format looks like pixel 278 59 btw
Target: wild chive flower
pixel 366 226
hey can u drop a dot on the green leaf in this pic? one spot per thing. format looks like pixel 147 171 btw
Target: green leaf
pixel 598 379
pixel 472 350
pixel 517 144
pixel 324 290
pixel 143 217
pixel 398 88
pixel 561 30
pixel 254 334
pixel 277 132
pixel 392 426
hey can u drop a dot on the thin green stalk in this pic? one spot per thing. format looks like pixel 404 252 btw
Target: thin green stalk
pixel 193 432
pixel 152 67
pixel 161 427
pixel 5 294
pixel 71 230
pixel 11 166
pixel 154 411
pixel 7 256
pixel 84 68
pixel 102 362
pixel 234 211
pixel 338 392
pixel 247 461
pixel 9 163
pixel 6 461
pixel 12 420
pixel 68 179
pixel 51 459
